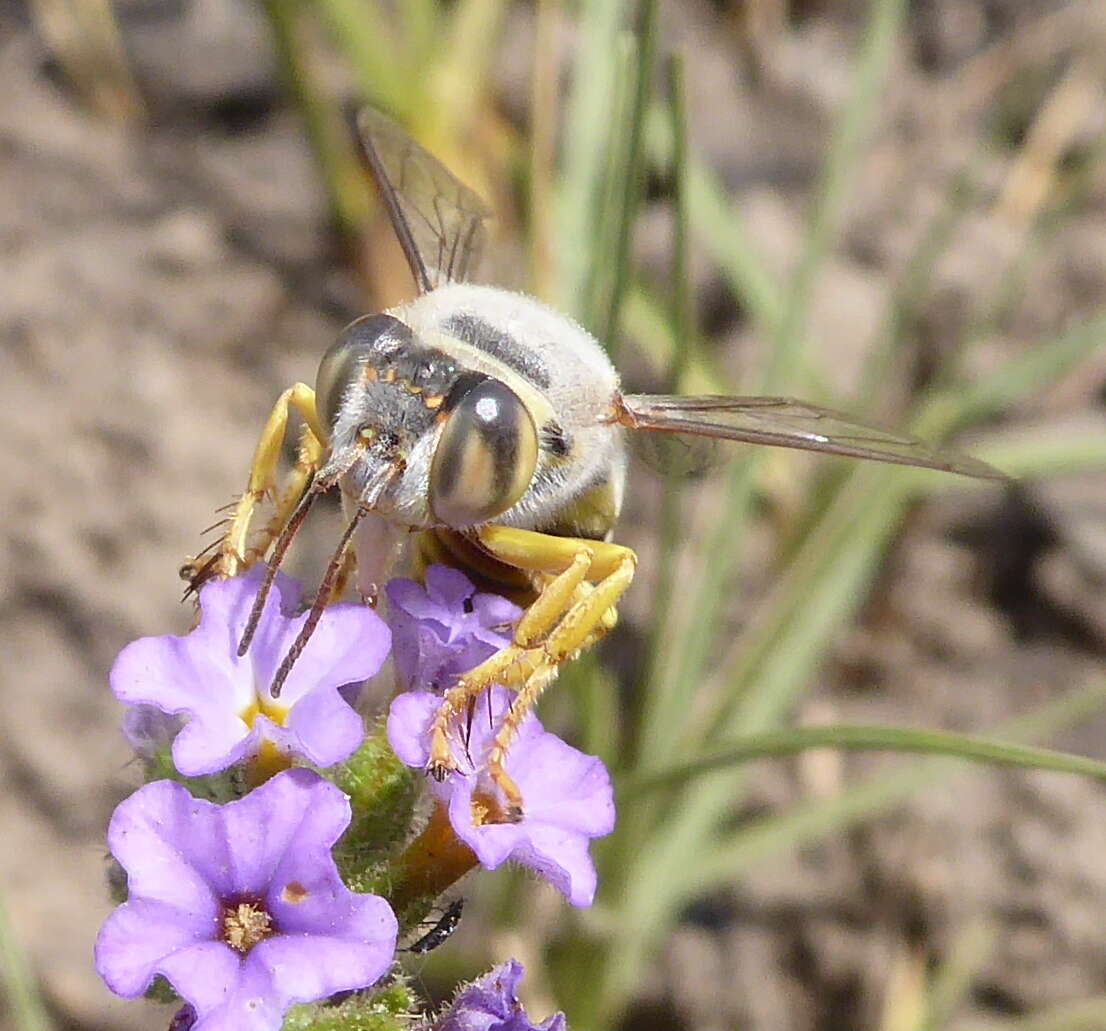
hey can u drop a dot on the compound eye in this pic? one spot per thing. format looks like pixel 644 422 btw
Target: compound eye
pixel 372 339
pixel 486 454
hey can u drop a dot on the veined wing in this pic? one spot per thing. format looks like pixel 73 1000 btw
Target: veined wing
pixel 439 221
pixel 784 422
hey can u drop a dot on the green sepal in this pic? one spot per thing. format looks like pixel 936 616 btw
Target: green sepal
pixel 225 786
pixel 391 1007
pixel 382 793
pixel 161 991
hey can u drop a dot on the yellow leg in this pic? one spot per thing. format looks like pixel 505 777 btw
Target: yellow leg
pixel 308 456
pixel 235 552
pixel 580 583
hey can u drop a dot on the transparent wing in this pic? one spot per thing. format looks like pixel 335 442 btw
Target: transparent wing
pixel 439 220
pixel 783 422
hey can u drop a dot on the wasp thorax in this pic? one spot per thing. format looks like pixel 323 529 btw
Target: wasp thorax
pixel 486 454
pixel 370 343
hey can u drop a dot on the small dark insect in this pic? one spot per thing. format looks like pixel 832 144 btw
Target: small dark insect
pixel 445 926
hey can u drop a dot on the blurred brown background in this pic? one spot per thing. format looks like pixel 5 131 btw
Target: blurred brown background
pixel 163 280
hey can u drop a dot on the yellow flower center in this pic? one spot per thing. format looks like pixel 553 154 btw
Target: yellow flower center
pixel 245 924
pixel 486 809
pixel 262 705
pixel 269 759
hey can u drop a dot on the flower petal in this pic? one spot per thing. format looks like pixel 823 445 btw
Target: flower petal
pixel 294 810
pixel 349 644
pixel 172 848
pixel 135 940
pixel 204 974
pixel 562 786
pixel 313 967
pixel 448 587
pixel 252 1003
pixel 324 728
pixel 411 597
pixel 408 728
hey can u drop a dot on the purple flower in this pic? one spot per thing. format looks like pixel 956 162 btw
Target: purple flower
pixel 240 906
pixel 491 1003
pixel 225 701
pixel 445 628
pixel 567 797
pixel 148 730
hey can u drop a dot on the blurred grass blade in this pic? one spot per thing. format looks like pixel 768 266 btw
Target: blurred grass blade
pixel 421 30
pixel 1043 451
pixel 720 229
pixel 632 173
pixel 24 1003
pixel 645 320
pixel 884 21
pixel 378 60
pixel 465 57
pixel 660 697
pixel 838 175
pixel 951 983
pixel 544 104
pixel 346 187
pixel 586 137
pixel 1017 379
pixel 609 197
pixel 84 37
pixel 726 857
pixel 775 744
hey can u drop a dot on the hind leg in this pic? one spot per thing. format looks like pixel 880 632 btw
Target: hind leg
pixel 581 582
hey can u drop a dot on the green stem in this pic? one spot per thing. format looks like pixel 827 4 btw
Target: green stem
pixel 779 743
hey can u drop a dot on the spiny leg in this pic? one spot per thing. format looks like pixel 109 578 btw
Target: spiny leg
pixel 308 456
pixel 569 613
pixel 235 553
pixel 589 618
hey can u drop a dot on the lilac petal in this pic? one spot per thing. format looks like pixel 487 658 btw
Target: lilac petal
pixel 322 906
pixel 203 974
pixel 349 644
pixel 148 730
pixel 486 1002
pixel 563 786
pixel 445 628
pixel 206 746
pixel 171 846
pixel 448 587
pixel 495 611
pixel 325 728
pixel 253 1003
pixel 469 653
pixel 200 676
pixel 491 1003
pixel 294 807
pixel 562 858
pixel 411 597
pixel 316 967
pixel 178 675
pixel 225 607
pixel 422 655
pixel 408 727
pixel 135 940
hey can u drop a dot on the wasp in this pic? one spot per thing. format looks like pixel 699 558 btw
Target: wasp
pixel 477 427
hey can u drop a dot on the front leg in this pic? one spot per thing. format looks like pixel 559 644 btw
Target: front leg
pixel 235 552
